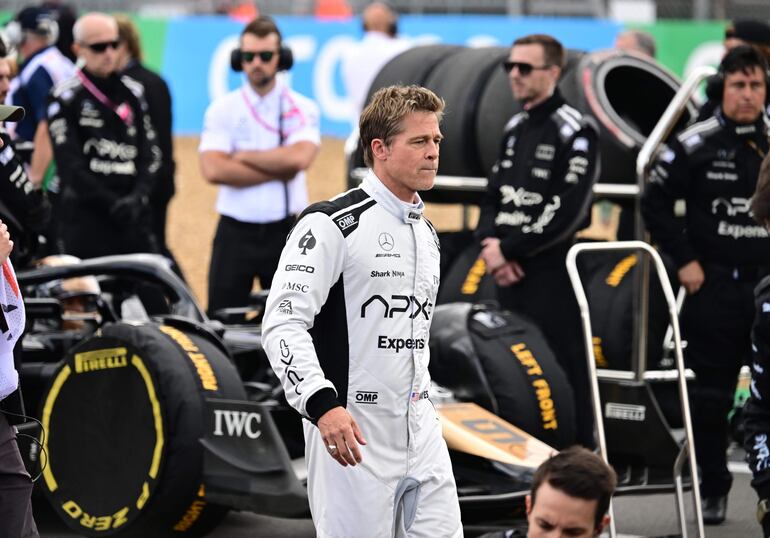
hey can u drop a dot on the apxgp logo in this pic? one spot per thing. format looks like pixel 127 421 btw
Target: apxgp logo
pixel 399 304
pixel 287 357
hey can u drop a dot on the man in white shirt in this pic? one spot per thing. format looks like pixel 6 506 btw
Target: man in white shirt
pixel 257 141
pixel 364 61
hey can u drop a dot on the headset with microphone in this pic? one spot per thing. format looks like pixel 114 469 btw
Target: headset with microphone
pixel 45 25
pixel 285 59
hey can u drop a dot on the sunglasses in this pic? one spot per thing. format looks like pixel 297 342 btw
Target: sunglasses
pixel 264 55
pixel 102 45
pixel 524 68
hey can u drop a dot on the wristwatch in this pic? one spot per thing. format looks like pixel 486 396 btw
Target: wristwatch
pixel 763 507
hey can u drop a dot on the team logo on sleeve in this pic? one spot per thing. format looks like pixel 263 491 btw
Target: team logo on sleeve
pixel 307 242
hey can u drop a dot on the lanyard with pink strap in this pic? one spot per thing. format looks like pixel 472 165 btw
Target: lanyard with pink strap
pixel 123 110
pixel 293 111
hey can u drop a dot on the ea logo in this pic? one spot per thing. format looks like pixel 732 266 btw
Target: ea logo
pixel 386 241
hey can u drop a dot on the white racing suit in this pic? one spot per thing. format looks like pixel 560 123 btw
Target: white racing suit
pixel 347 323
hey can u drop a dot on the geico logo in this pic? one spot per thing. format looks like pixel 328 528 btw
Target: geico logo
pixel 237 423
pixel 295 286
pixel 366 397
pixel 300 268
pixel 383 342
pixel 401 304
pixel 99 523
pixel 287 357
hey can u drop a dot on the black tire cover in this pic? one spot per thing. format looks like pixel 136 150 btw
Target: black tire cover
pixel 501 361
pixel 460 80
pixel 467 279
pixel 123 417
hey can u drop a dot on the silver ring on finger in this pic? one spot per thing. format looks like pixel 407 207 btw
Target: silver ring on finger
pixel 331 448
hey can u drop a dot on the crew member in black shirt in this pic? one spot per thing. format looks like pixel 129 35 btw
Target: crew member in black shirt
pixel 106 149
pixel 720 252
pixel 539 195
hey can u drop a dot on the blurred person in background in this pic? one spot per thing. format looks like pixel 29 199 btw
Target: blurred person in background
pixel 65 16
pixel 158 98
pixel 105 147
pixel 637 41
pixel 23 206
pixel 719 251
pixel 364 60
pixel 756 413
pixel 33 33
pixel 15 482
pixel 739 32
pixel 539 194
pixel 256 144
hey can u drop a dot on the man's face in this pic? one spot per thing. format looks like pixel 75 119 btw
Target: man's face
pixel 536 86
pixel 744 95
pixel 556 514
pixel 5 79
pixel 261 73
pixel 98 49
pixel 410 162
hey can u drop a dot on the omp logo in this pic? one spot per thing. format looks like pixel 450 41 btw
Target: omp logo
pixel 237 423
pixel 301 268
pixel 624 412
pixel 287 357
pixel 101 359
pixel 346 221
pixel 386 241
pixel 384 342
pixel 306 242
pixel 399 304
pixel 366 397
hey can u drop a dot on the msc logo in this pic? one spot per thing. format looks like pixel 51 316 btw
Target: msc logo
pixel 301 268
pixel 236 423
pixel 307 242
pixel 383 342
pixel 295 286
pixel 346 221
pixel 366 397
pixel 400 304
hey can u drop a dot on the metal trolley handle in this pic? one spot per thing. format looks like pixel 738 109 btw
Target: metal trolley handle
pixel 688 447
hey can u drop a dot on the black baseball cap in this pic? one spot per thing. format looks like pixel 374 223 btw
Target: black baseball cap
pixel 11 113
pixel 750 30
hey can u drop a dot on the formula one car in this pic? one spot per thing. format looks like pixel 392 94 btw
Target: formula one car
pixel 155 420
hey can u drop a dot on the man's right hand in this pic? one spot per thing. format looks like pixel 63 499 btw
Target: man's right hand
pixel 339 430
pixel 691 276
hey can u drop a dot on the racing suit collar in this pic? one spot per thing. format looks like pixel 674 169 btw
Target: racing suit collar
pixel 409 213
pixel 543 110
pixel 756 129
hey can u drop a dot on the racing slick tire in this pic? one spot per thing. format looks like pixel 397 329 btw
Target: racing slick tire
pixel 122 421
pixel 460 80
pixel 467 280
pixel 500 360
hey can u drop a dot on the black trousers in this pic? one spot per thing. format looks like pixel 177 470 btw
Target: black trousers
pixel 16 519
pixel 243 251
pixel 158 217
pixel 545 295
pixel 716 323
pixel 89 232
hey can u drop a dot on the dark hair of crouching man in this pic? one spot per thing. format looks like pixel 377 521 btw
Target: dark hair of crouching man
pixel 570 495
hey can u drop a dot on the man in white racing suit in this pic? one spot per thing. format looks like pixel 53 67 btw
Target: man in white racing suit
pixel 346 330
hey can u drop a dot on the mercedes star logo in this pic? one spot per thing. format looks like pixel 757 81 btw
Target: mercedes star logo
pixel 386 241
